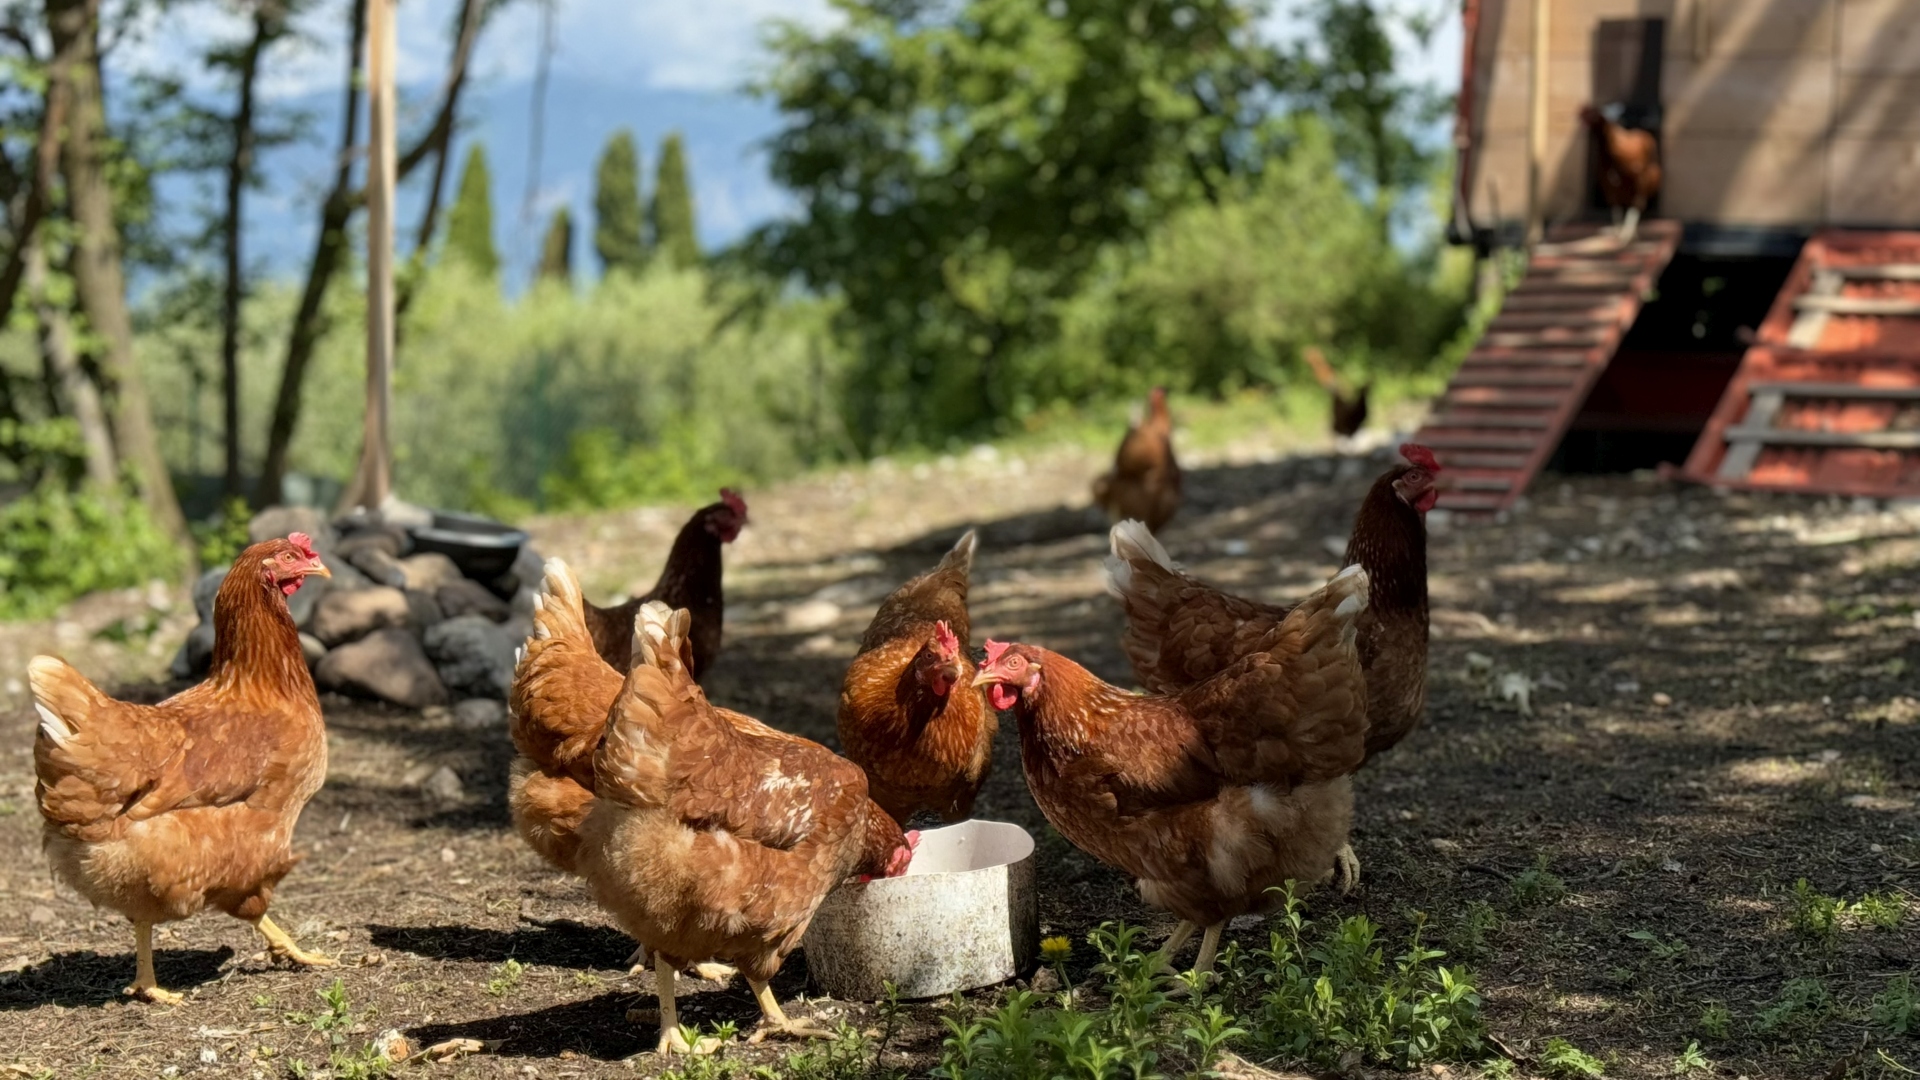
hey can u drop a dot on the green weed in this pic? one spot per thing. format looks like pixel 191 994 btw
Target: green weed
pixel 1715 1021
pixel 1815 914
pixel 1800 1006
pixel 336 1011
pixel 1691 1059
pixel 1896 1008
pixel 1664 951
pixel 1536 886
pixel 1469 939
pixel 1882 911
pixel 1497 1069
pixel 505 978
pixel 1563 1059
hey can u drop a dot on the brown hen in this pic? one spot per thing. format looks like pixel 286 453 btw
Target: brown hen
pixel 909 715
pixel 690 580
pixel 1144 482
pixel 159 811
pixel 1181 631
pixel 1213 795
pixel 715 837
pixel 1628 167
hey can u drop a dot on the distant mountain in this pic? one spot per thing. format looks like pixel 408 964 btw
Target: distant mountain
pixel 724 133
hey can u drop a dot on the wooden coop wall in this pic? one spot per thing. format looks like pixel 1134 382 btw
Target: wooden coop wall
pixel 1777 113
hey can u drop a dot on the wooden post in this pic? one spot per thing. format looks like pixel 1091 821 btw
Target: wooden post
pixel 1537 125
pixel 374 480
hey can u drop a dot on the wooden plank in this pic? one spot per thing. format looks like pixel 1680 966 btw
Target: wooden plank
pixel 1531 358
pixel 1875 181
pixel 1464 422
pixel 1527 320
pixel 1879 272
pixel 1870 440
pixel 1768 178
pixel 1512 461
pixel 1761 409
pixel 1809 325
pixel 1481 483
pixel 1461 500
pixel 1889 306
pixel 1477 442
pixel 1475 378
pixel 1488 398
pixel 1845 391
pixel 1880 36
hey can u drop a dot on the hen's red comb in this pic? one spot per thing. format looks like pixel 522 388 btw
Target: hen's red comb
pixel 1420 455
pixel 944 637
pixel 304 543
pixel 995 649
pixel 734 502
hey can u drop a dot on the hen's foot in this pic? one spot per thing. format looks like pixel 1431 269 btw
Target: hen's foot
pixel 789 1028
pixel 714 972
pixel 674 1041
pixel 153 995
pixel 1346 870
pixel 639 962
pixel 283 947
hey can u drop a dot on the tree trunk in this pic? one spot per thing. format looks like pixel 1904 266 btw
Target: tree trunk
pixel 78 396
pixel 97 273
pixel 267 21
pixel 330 248
pixel 23 216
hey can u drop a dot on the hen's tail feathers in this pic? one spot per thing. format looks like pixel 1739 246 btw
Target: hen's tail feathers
pixel 559 614
pixel 1342 599
pixel 1322 371
pixel 660 638
pixel 62 697
pixel 630 767
pixel 1134 547
pixel 960 556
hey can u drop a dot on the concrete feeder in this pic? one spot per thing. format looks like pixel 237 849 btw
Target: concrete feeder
pixel 961 917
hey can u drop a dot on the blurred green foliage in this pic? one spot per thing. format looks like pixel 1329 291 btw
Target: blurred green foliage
pixel 470 220
pixel 1020 202
pixel 670 214
pixel 57 544
pixel 617 222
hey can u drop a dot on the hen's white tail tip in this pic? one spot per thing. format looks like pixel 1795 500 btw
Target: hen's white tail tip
pixel 658 631
pixel 1131 541
pixel 41 673
pixel 1351 585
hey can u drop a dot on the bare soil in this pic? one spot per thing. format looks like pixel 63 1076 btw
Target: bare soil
pixel 1722 695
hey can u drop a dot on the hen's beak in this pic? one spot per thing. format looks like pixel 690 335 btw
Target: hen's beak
pixel 318 568
pixel 985 678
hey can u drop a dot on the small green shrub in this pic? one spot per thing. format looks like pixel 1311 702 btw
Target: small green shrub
pixel 1800 1006
pixel 1563 1059
pixel 56 545
pixel 1536 886
pixel 506 977
pixel 1691 1059
pixel 1469 939
pixel 1882 911
pixel 1897 1008
pixel 1715 1021
pixel 1815 914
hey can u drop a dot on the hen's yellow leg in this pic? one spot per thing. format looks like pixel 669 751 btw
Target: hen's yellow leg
pixel 1174 942
pixel 145 987
pixel 283 947
pixel 774 1022
pixel 671 1040
pixel 1346 870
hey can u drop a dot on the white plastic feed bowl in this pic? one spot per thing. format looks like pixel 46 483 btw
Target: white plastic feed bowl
pixel 961 917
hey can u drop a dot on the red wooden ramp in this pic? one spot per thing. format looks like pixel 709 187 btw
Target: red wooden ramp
pixel 1828 398
pixel 1505 410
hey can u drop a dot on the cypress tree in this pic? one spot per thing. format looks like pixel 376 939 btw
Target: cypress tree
pixel 616 206
pixel 470 221
pixel 671 214
pixel 556 251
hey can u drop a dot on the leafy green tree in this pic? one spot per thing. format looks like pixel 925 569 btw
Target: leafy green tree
pixel 962 168
pixel 1345 71
pixel 556 251
pixel 670 215
pixel 617 223
pixel 470 222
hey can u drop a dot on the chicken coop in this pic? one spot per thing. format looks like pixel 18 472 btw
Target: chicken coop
pixel 1760 327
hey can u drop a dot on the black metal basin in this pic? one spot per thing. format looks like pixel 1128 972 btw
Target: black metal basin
pixel 482 548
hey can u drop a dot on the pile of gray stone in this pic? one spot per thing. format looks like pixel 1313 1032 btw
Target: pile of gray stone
pixel 391 624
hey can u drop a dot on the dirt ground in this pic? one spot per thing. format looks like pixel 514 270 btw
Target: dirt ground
pixel 1721 698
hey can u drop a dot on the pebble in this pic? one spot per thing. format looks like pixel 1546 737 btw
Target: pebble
pixel 1661 700
pixel 1441 843
pixel 444 786
pixel 447 856
pixel 41 915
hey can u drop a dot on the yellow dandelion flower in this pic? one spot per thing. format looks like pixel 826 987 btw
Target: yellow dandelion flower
pixel 1056 948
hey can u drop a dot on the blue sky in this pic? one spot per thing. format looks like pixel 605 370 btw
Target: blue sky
pixel 650 65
